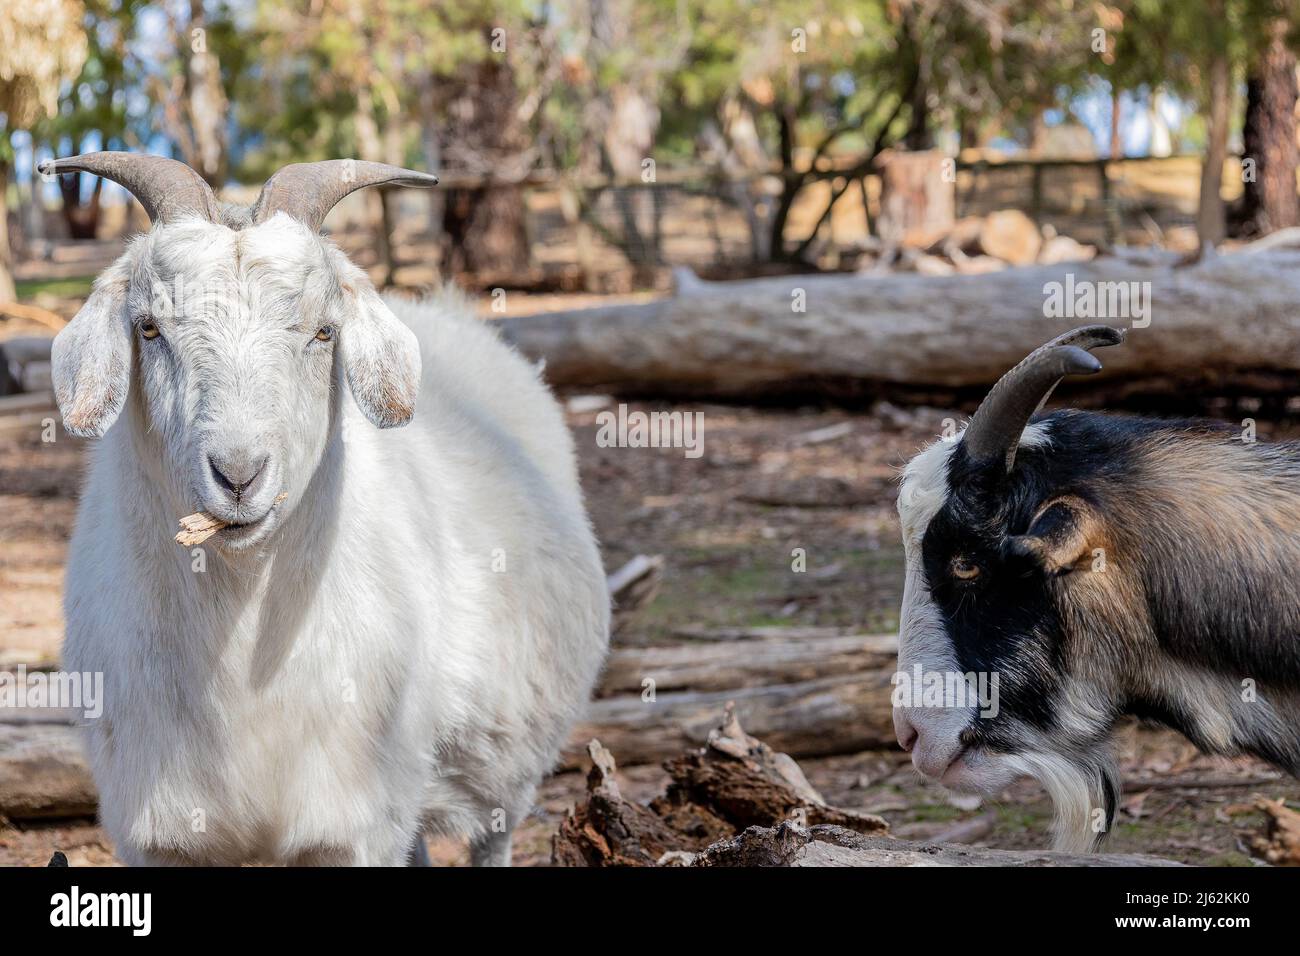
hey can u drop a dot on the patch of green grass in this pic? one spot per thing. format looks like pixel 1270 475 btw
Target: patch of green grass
pixel 1021 819
pixel 731 586
pixel 935 813
pixel 74 286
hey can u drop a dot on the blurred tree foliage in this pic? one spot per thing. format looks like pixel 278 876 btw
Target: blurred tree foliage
pixel 810 92
pixel 41 47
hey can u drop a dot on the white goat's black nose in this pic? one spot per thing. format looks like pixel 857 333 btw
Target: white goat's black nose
pixel 238 475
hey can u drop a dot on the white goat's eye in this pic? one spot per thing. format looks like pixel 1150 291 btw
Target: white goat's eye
pixel 148 330
pixel 325 334
pixel 965 570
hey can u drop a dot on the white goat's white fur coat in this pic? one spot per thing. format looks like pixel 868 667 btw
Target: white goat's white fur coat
pixel 406 655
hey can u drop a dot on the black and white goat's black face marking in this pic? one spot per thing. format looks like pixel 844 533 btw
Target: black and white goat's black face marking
pixel 975 607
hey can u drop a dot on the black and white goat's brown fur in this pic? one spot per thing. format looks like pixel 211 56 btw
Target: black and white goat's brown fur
pixel 1098 566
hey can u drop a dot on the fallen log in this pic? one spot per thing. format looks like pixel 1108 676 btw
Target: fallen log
pixel 827 845
pixel 810 694
pixel 829 715
pixel 43 773
pixel 813 692
pixel 752 662
pixel 1227 322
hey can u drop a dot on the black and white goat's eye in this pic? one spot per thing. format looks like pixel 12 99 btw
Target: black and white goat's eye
pixel 325 333
pixel 148 330
pixel 965 570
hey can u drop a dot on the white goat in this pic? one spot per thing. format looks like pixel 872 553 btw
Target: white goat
pixel 397 629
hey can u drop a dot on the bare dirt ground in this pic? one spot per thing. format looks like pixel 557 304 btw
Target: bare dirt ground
pixel 768 483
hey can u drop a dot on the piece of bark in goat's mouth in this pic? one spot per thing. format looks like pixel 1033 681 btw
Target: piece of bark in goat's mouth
pixel 198 527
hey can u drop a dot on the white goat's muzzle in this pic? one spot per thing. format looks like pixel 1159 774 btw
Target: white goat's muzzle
pixel 237 483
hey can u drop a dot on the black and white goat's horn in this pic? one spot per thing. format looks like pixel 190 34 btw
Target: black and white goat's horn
pixel 995 429
pixel 308 191
pixel 167 189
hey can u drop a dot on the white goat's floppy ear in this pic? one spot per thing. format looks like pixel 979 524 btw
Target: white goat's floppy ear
pixel 382 359
pixel 91 361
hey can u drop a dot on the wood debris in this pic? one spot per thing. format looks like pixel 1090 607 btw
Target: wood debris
pixel 1279 844
pixel 734 782
pixel 198 527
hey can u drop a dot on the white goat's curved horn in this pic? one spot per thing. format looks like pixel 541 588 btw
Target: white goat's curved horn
pixel 995 428
pixel 167 188
pixel 308 191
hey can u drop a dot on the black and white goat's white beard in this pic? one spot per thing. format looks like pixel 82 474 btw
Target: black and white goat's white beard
pixel 1084 789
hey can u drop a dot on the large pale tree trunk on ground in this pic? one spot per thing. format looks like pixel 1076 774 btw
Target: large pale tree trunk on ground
pixel 1226 322
pixel 808 695
pixel 1269 201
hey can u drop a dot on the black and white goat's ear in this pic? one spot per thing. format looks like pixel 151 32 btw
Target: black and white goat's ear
pixel 91 360
pixel 381 356
pixel 1061 538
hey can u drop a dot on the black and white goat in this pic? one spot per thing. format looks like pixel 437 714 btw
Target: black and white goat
pixel 1091 567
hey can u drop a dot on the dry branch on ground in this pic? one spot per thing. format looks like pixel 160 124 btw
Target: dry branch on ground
pixel 734 782
pixel 1279 844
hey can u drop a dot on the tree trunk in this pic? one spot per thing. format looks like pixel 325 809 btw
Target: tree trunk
pixel 486 226
pixel 1269 139
pixel 82 219
pixel 1228 322
pixel 431 146
pixel 1116 121
pixel 7 290
pixel 791 182
pixel 918 137
pixel 1161 141
pixel 208 107
pixel 917 203
pixel 371 148
pixel 487 232
pixel 1210 224
pixel 628 140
